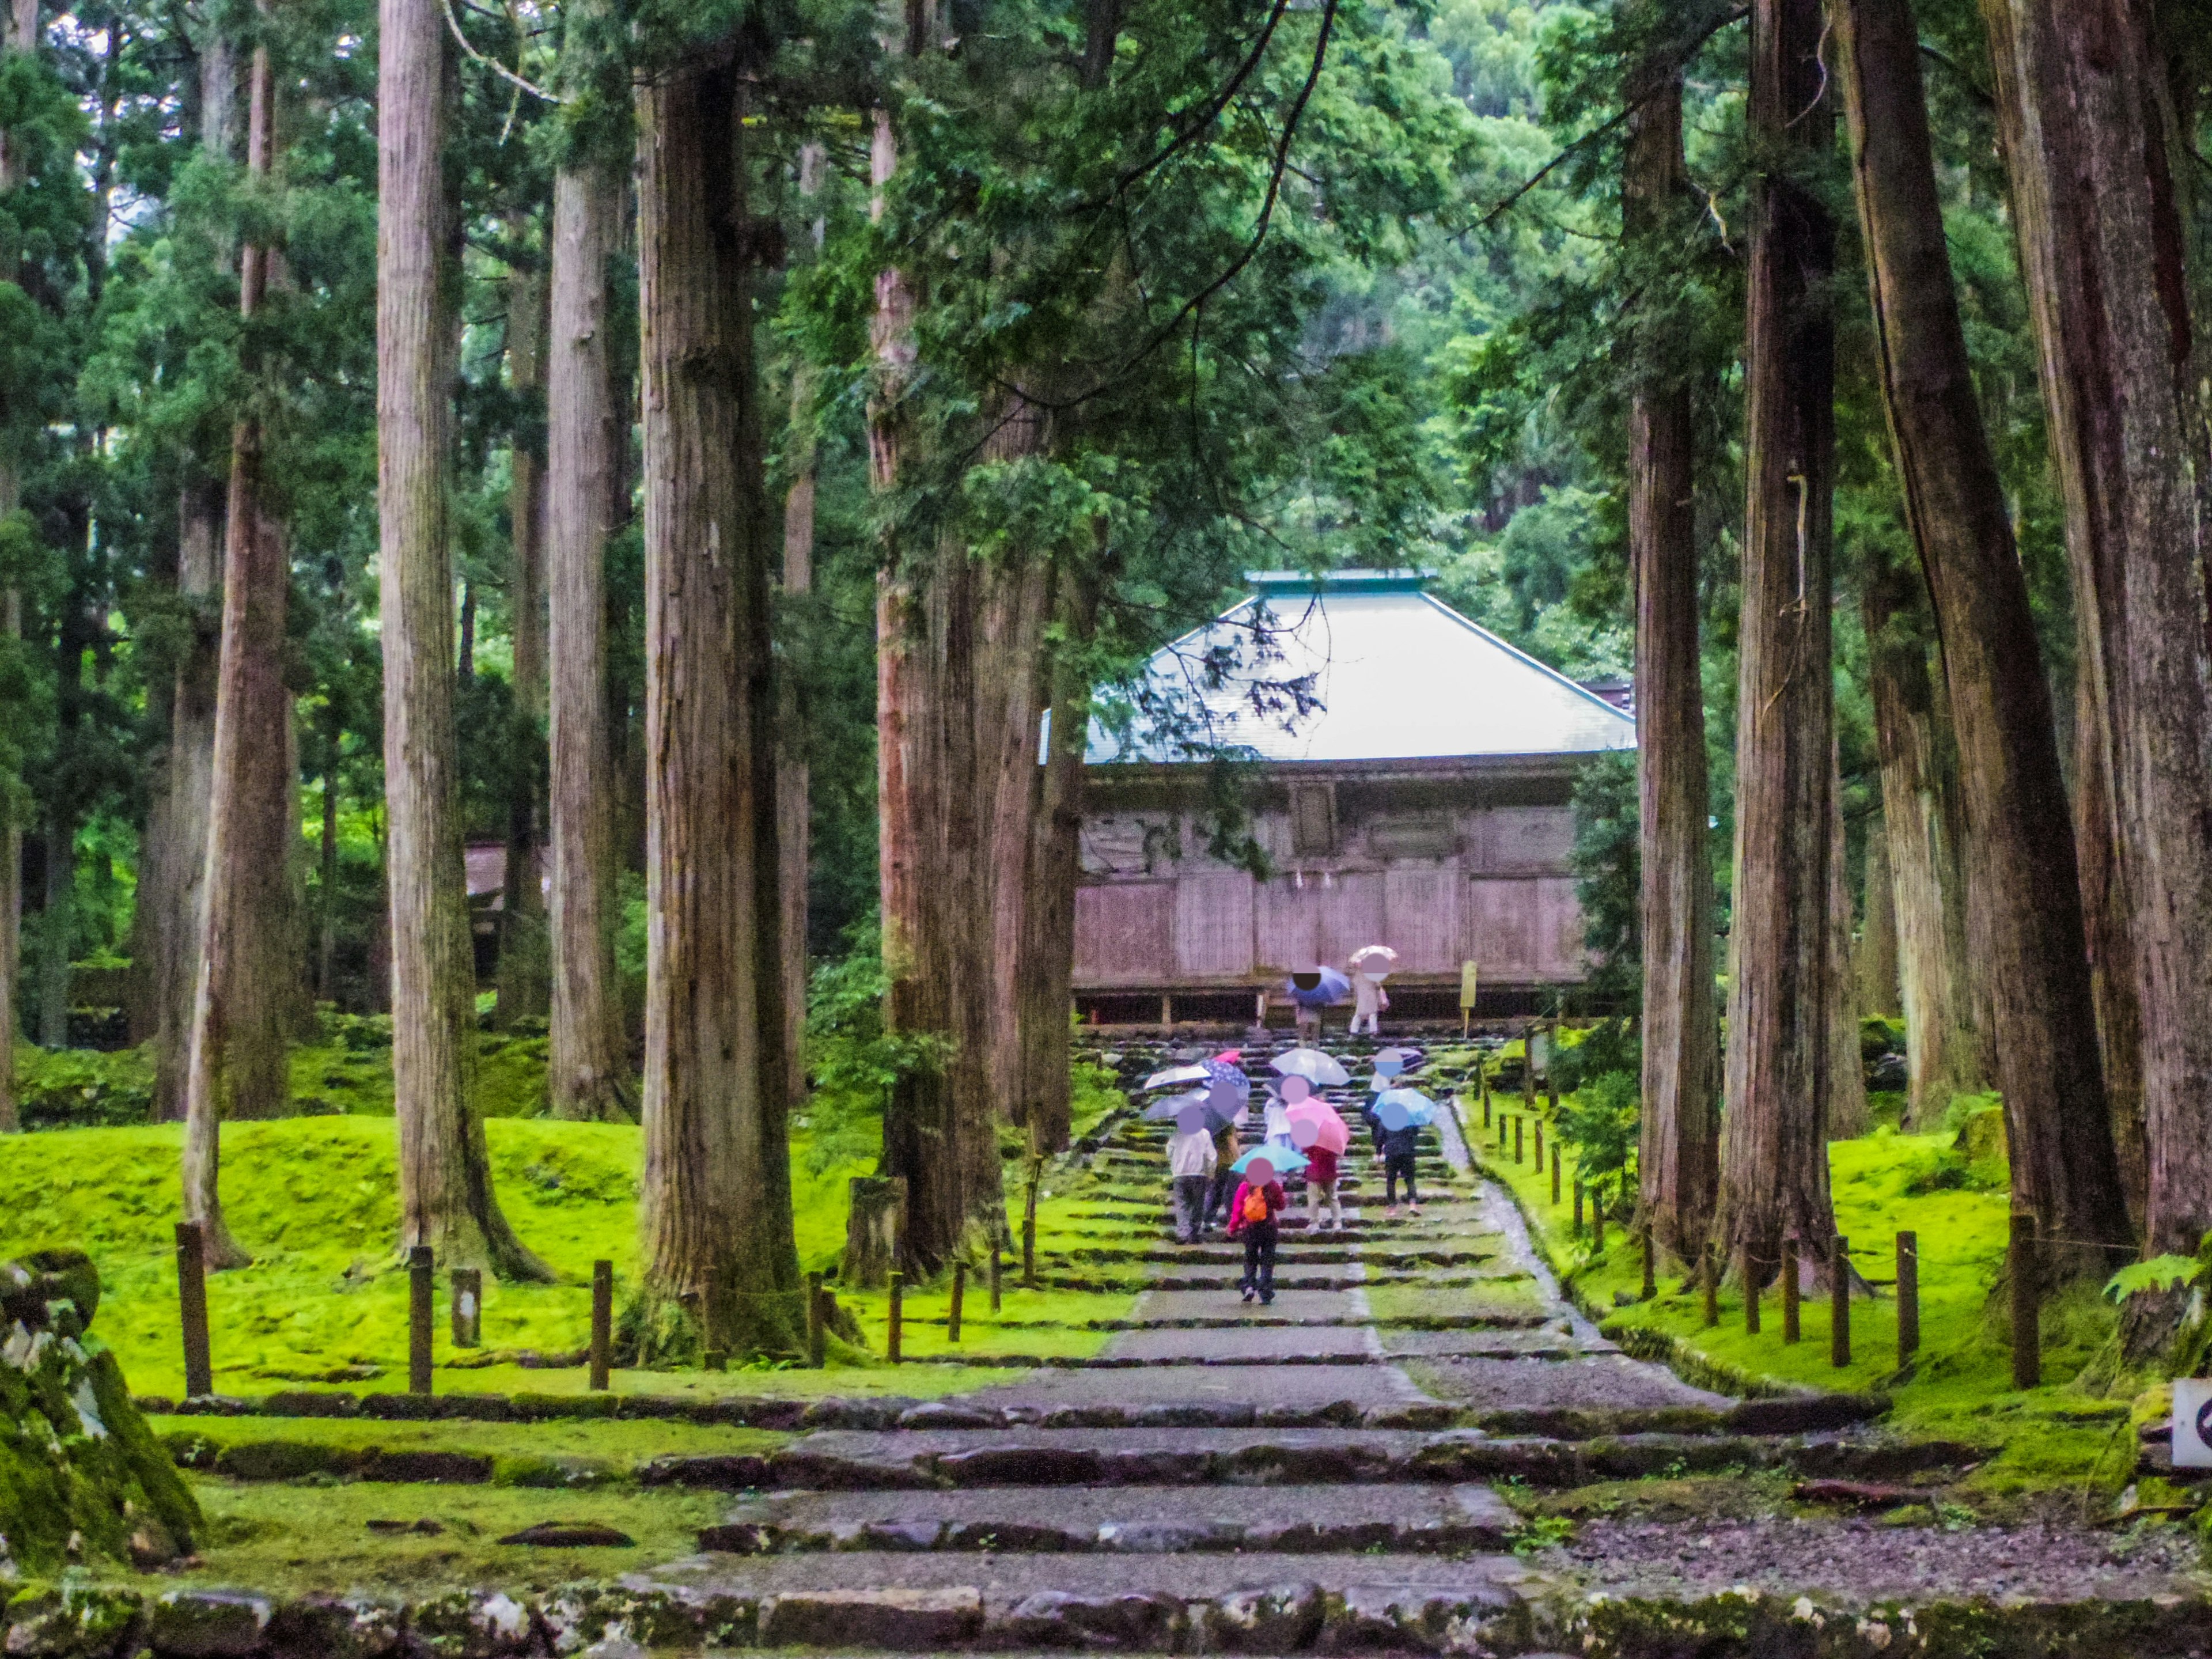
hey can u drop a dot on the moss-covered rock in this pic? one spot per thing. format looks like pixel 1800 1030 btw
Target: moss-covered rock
pixel 82 1477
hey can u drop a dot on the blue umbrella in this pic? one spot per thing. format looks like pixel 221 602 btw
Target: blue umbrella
pixel 1169 1110
pixel 1287 1160
pixel 1222 1070
pixel 1399 1107
pixel 1329 987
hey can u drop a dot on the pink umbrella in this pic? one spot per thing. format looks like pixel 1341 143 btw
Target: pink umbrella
pixel 1315 1123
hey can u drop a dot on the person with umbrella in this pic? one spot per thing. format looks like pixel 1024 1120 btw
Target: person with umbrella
pixel 1401 1114
pixel 1311 990
pixel 1321 1135
pixel 1260 1198
pixel 1191 1164
pixel 1368 968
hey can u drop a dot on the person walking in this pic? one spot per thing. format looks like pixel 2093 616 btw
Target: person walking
pixel 1227 1148
pixel 1368 1000
pixel 1191 1163
pixel 1321 1188
pixel 1401 1147
pixel 1260 1198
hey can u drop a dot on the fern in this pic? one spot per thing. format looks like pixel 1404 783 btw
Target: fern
pixel 2160 1273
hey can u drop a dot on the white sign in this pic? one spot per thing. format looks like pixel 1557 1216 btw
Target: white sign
pixel 2192 1423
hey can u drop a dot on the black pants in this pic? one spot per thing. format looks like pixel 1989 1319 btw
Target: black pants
pixel 1219 1194
pixel 1393 1169
pixel 1260 1260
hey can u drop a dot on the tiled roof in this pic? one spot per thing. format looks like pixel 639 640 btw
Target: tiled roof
pixel 1358 665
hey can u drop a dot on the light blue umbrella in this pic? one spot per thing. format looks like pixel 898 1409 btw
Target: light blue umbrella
pixel 1320 1069
pixel 1287 1160
pixel 1399 1107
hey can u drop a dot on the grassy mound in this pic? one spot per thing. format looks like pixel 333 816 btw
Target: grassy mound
pixel 81 1479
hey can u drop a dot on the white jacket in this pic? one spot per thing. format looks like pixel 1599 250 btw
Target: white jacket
pixel 1191 1154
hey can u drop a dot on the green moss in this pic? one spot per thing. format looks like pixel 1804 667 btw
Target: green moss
pixel 619 1443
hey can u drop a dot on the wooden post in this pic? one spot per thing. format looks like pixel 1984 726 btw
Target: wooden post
pixel 1540 1146
pixel 191 1306
pixel 1792 1326
pixel 1709 1281
pixel 1528 1066
pixel 603 1324
pixel 421 1294
pixel 1839 1302
pixel 817 1344
pixel 1517 1144
pixel 1750 1291
pixel 953 1308
pixel 1597 1223
pixel 1550 1064
pixel 1555 1174
pixel 1028 1226
pixel 1908 1297
pixel 994 1279
pixel 715 1360
pixel 1578 1206
pixel 467 1292
pixel 1650 1257
pixel 2026 1321
pixel 1485 1100
pixel 895 1317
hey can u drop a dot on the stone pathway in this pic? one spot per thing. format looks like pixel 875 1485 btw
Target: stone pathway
pixel 1328 1472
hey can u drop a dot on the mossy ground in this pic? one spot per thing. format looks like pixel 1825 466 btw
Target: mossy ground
pixel 2067 1443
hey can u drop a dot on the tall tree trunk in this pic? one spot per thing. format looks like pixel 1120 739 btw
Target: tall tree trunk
pixel 173 891
pixel 1875 965
pixel 2108 923
pixel 1774 1152
pixel 326 942
pixel 445 1198
pixel 1849 1112
pixel 20 35
pixel 720 1264
pixel 1679 1148
pixel 523 987
pixel 1920 823
pixel 2024 923
pixel 236 1065
pixel 590 1073
pixel 938 1131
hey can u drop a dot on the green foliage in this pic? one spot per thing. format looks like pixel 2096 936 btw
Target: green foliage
pixel 1601 1121
pixel 853 1061
pixel 1608 873
pixel 2159 1275
pixel 83 1088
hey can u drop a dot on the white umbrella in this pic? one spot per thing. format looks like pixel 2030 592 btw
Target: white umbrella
pixel 1175 1074
pixel 1312 1064
pixel 1375 960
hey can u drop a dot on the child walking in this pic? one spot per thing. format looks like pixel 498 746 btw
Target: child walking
pixel 1191 1163
pixel 1252 1215
pixel 1320 1189
pixel 1399 1148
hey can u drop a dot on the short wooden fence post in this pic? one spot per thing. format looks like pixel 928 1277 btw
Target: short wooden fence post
pixel 192 1307
pixel 994 1279
pixel 1839 1302
pixel 1578 1206
pixel 1555 1174
pixel 422 1296
pixel 953 1308
pixel 1650 1264
pixel 816 1340
pixel 1792 1324
pixel 1908 1297
pixel 603 1324
pixel 1750 1291
pixel 895 1317
pixel 2026 1312
pixel 1709 1282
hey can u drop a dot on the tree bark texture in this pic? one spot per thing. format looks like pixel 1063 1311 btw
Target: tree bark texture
pixel 1679 1156
pixel 720 1265
pixel 445 1196
pixel 793 784
pixel 1774 1155
pixel 590 1073
pixel 173 887
pixel 1849 1112
pixel 2108 922
pixel 235 1057
pixel 1875 964
pixel 1921 824
pixel 2024 923
pixel 19 32
pixel 939 1126
pixel 523 987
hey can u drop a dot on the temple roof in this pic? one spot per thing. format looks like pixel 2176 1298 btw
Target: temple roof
pixel 1353 665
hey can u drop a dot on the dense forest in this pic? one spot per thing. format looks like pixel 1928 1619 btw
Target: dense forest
pixel 672 456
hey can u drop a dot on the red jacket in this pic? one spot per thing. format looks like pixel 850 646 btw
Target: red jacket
pixel 1321 1166
pixel 1272 1192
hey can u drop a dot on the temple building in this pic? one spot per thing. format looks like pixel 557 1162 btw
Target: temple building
pixel 1405 774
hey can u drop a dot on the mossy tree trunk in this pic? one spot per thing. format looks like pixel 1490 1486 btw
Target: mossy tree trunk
pixel 2024 923
pixel 1774 1153
pixel 446 1196
pixel 721 1267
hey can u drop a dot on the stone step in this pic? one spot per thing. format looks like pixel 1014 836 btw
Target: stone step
pixel 936 1602
pixel 845 1461
pixel 1124 1520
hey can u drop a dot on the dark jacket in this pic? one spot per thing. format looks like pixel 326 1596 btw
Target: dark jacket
pixel 1401 1144
pixel 1274 1193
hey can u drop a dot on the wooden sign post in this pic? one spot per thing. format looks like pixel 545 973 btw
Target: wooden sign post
pixel 1469 976
pixel 192 1302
